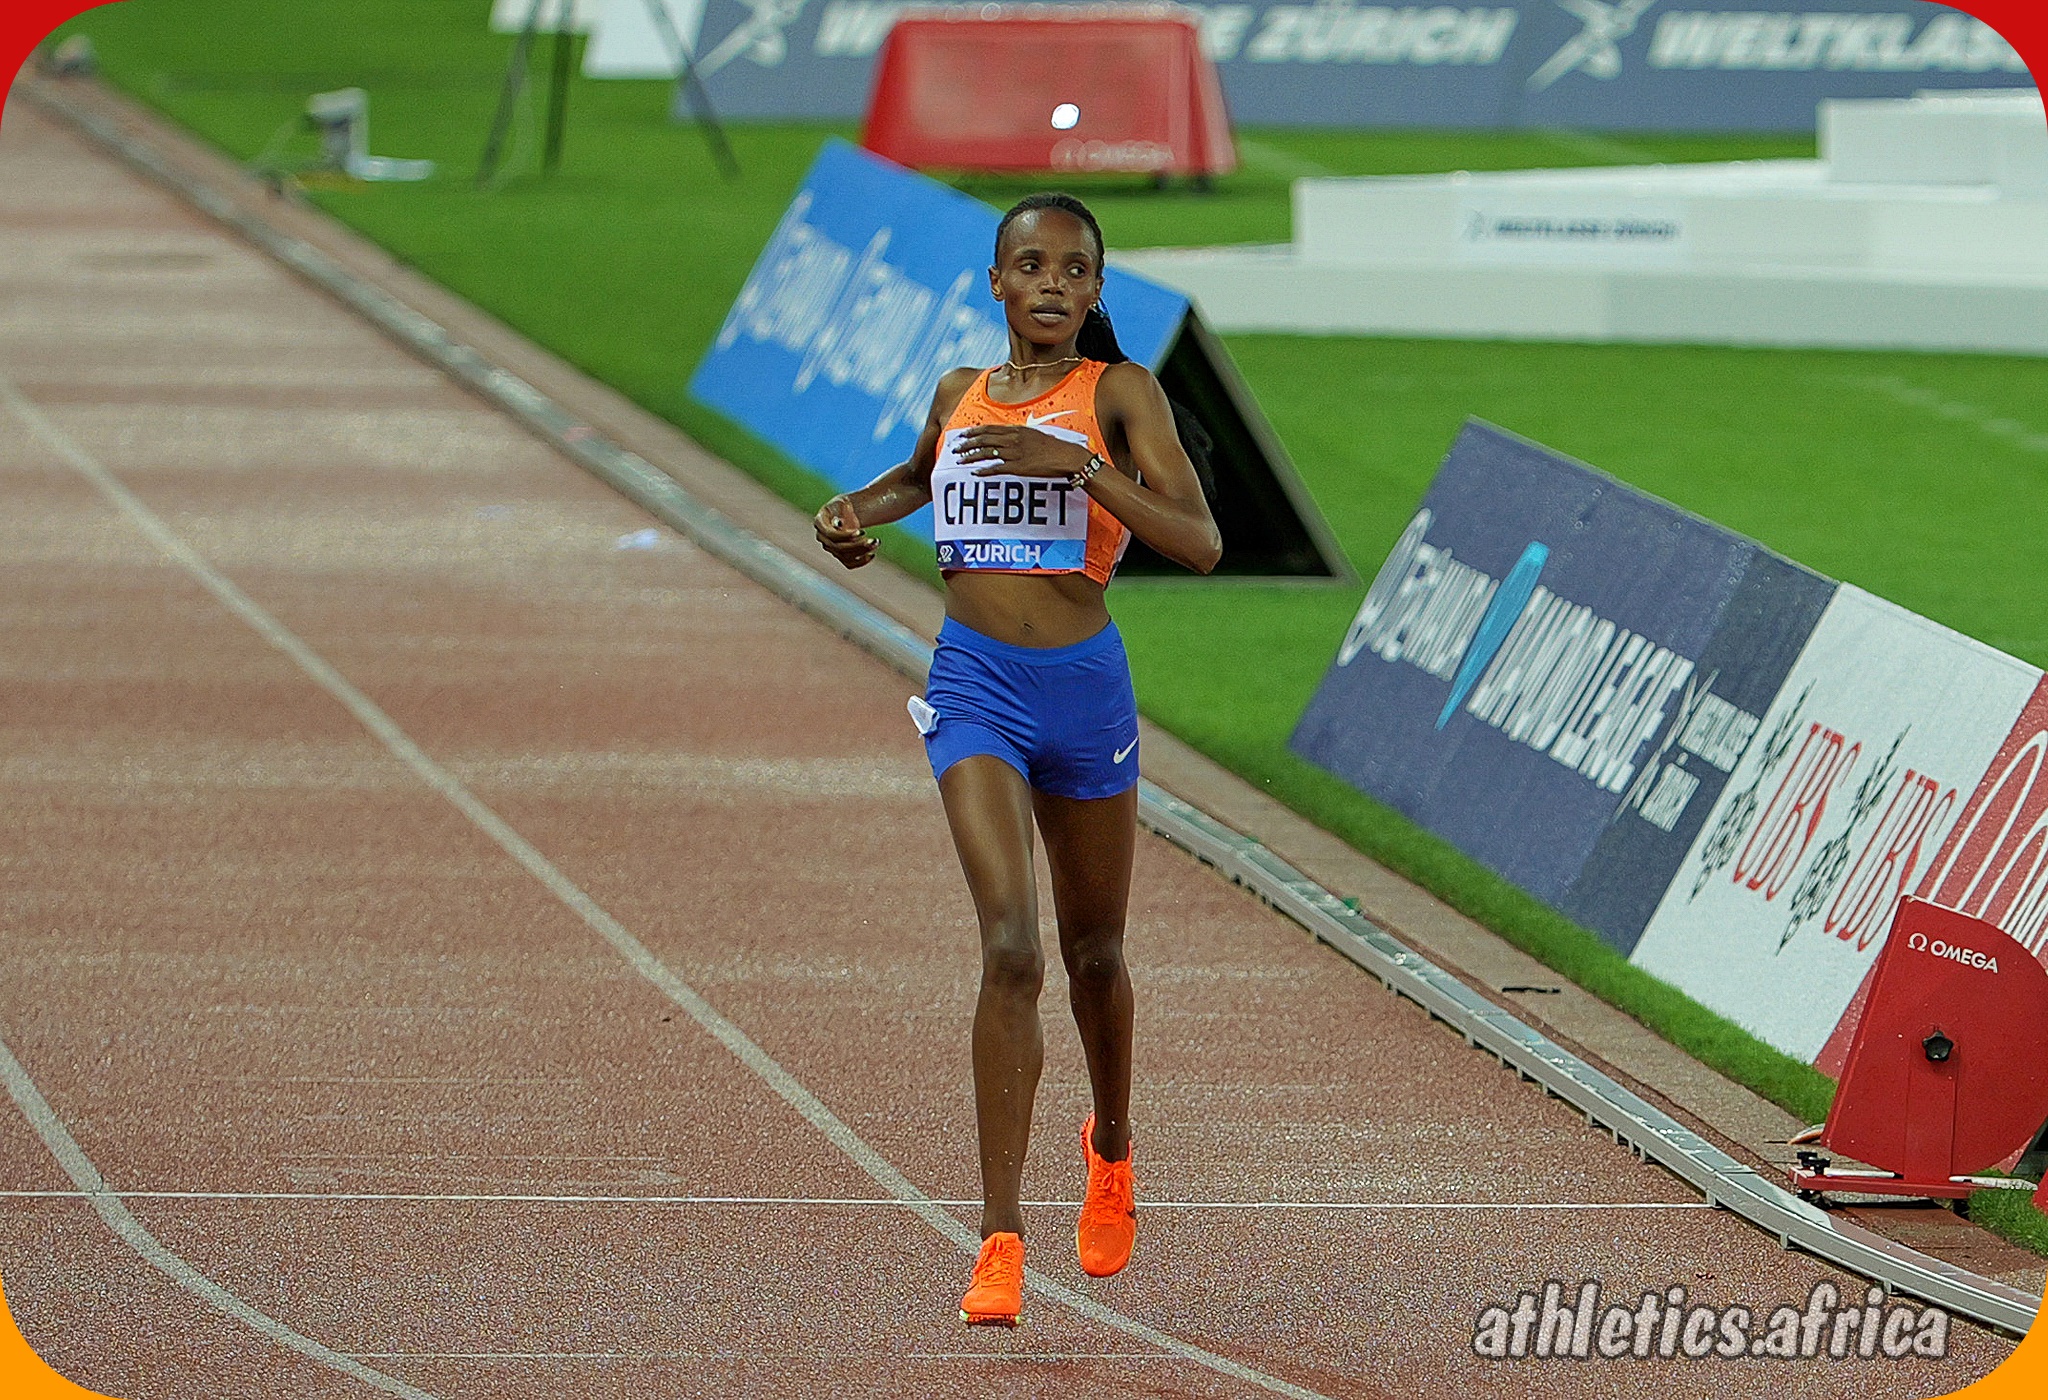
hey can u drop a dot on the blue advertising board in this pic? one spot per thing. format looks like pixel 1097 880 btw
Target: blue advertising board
pixel 875 284
pixel 1708 65
pixel 1765 623
pixel 1556 672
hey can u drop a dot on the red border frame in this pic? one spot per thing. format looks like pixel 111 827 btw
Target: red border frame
pixel 23 25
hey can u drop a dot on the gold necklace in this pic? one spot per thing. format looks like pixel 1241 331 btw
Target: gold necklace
pixel 1044 364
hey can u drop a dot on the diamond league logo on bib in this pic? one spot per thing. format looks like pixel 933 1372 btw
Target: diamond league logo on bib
pixel 1007 522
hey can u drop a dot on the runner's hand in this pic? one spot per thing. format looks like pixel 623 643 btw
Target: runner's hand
pixel 1017 451
pixel 840 532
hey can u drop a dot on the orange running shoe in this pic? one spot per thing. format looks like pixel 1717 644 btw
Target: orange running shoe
pixel 1109 1212
pixel 995 1297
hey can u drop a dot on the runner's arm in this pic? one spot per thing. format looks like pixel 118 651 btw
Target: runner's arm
pixel 841 523
pixel 1163 506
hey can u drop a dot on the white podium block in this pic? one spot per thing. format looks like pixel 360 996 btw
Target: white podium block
pixel 1924 227
pixel 1998 139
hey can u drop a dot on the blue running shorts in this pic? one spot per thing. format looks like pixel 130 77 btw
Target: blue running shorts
pixel 1064 717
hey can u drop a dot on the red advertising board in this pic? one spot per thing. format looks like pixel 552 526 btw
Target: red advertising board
pixel 1052 88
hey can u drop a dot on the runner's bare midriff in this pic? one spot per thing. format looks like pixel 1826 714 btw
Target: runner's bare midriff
pixel 1027 610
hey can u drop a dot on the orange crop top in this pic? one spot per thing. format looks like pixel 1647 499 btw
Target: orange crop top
pixel 1021 524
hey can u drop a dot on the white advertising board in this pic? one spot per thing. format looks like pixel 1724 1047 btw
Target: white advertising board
pixel 1845 795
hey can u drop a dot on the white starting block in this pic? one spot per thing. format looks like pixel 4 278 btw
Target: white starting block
pixel 1923 225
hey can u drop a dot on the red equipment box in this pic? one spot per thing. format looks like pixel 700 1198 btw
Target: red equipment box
pixel 1947 1073
pixel 1050 87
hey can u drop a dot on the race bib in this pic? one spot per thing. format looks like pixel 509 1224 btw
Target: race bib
pixel 1009 523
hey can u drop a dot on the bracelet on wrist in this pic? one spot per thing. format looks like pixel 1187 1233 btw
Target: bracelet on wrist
pixel 1080 479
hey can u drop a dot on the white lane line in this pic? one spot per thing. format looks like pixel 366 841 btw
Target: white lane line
pixel 890 1202
pixel 2021 435
pixel 71 1157
pixel 877 1167
pixel 808 1354
pixel 1600 148
pixel 1260 156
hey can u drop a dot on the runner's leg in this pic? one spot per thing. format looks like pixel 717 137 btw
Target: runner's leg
pixel 988 808
pixel 1089 844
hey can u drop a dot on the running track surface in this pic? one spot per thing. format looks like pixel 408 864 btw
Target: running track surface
pixel 496 1066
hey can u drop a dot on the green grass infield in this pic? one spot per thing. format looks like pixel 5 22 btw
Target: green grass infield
pixel 1923 478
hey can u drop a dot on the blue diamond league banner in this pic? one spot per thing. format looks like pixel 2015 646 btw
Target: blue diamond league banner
pixel 1661 65
pixel 1557 673
pixel 1769 615
pixel 875 284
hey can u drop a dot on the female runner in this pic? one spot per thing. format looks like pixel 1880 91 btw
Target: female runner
pixel 1040 470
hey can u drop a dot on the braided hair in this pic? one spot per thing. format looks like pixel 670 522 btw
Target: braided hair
pixel 1097 340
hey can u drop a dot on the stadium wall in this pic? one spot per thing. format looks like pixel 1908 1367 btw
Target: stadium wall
pixel 1719 65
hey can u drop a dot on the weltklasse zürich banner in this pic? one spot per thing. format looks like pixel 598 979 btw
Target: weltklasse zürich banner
pixel 1728 766
pixel 1719 65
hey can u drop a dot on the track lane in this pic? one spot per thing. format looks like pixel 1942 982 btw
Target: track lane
pixel 530 858
pixel 288 1012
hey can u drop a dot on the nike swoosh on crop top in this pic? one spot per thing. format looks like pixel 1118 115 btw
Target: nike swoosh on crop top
pixel 1025 524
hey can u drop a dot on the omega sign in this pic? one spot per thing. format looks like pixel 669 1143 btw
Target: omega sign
pixel 1954 952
